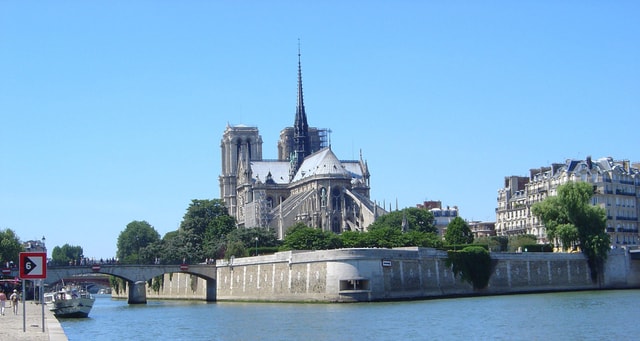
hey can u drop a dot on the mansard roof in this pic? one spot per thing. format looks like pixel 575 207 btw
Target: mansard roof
pixel 323 162
pixel 599 166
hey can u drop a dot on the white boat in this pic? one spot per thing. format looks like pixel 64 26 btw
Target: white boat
pixel 70 301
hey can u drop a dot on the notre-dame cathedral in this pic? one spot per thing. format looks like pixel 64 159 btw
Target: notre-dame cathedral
pixel 307 183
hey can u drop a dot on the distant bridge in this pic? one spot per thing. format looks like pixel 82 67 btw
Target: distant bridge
pixel 136 275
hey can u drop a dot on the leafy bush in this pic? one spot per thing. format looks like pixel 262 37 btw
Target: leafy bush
pixel 473 265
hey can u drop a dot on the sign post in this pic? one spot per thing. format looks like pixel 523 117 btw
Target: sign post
pixel 33 265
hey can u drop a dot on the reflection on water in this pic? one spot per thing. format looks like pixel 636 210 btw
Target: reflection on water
pixel 589 315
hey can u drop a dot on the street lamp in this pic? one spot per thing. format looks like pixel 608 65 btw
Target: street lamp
pixel 256 246
pixel 138 245
pixel 44 249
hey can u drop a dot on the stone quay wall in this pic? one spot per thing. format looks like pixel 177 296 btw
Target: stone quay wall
pixel 354 275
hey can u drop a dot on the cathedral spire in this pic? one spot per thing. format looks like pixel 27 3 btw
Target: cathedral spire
pixel 300 127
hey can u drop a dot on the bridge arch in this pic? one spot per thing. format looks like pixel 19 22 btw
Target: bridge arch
pixel 136 276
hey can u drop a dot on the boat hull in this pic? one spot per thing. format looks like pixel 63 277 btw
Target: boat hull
pixel 69 302
pixel 77 307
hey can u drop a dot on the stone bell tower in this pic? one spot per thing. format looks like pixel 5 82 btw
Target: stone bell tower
pixel 237 142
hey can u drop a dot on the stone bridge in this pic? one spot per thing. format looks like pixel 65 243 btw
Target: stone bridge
pixel 136 276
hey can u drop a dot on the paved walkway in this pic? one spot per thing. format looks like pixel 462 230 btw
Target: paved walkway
pixel 12 327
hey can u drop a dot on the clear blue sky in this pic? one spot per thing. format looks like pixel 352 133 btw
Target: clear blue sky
pixel 113 111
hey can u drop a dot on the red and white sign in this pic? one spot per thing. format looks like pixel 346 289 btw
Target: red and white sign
pixel 33 265
pixel 184 267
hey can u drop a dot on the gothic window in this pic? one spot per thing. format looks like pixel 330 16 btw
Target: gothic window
pixel 335 200
pixel 323 197
pixel 269 202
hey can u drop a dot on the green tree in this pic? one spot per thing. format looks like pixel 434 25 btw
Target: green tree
pixel 203 229
pixel 353 239
pixel 207 217
pixel 384 237
pixel 417 220
pixel 66 255
pixel 152 253
pixel 519 242
pixel 458 232
pixel 572 221
pixel 136 236
pixel 247 237
pixel 493 243
pixel 10 246
pixel 389 237
pixel 176 247
pixel 417 238
pixel 302 237
pixel 235 248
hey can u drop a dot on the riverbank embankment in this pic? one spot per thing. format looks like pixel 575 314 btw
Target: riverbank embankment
pixel 29 326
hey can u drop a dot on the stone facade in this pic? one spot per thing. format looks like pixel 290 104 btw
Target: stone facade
pixel 350 275
pixel 362 275
pixel 617 190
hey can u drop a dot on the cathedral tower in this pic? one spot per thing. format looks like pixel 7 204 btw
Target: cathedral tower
pixel 237 142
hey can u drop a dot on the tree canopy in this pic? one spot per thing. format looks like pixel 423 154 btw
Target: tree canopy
pixel 417 220
pixel 572 221
pixel 207 219
pixel 242 242
pixel 202 235
pixel 10 246
pixel 204 228
pixel 135 237
pixel 66 255
pixel 302 237
pixel 458 232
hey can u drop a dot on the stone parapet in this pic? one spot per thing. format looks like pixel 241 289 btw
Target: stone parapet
pixel 368 274
pixel 348 275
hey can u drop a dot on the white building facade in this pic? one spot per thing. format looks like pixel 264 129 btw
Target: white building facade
pixel 616 189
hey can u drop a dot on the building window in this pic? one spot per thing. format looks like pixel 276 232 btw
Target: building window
pixel 269 202
pixel 323 197
pixel 336 205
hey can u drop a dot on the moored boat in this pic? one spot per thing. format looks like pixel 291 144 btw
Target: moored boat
pixel 70 301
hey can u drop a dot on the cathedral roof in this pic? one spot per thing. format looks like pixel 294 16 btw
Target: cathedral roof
pixel 279 171
pixel 323 162
pixel 353 167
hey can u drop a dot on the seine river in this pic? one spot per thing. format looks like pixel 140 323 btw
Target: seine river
pixel 589 315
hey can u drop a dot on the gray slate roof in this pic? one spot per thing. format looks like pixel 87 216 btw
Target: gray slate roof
pixel 279 171
pixel 323 162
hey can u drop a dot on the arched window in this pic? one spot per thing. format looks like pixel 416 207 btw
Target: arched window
pixel 335 199
pixel 323 197
pixel 269 202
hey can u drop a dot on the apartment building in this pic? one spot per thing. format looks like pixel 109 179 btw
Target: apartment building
pixel 616 189
pixel 442 216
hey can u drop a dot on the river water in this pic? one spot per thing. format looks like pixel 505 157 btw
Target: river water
pixel 587 315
